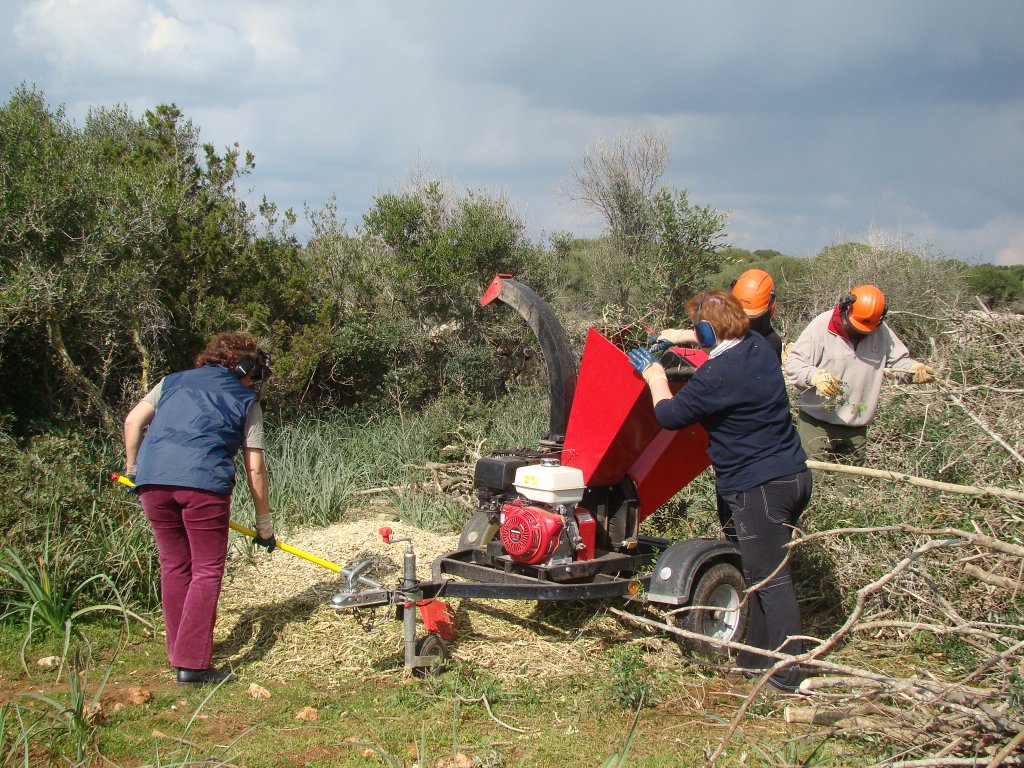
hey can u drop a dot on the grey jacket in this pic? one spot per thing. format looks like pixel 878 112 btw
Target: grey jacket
pixel 860 368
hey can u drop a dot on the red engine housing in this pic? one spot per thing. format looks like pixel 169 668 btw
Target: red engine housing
pixel 529 534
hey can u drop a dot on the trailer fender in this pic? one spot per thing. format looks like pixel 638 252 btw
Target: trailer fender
pixel 678 566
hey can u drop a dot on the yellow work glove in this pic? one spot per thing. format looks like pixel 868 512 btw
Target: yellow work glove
pixel 826 384
pixel 921 373
pixel 653 372
pixel 684 337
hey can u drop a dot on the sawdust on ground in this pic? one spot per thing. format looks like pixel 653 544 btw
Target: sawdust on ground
pixel 275 617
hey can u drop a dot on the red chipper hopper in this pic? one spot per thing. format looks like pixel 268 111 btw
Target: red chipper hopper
pixel 561 521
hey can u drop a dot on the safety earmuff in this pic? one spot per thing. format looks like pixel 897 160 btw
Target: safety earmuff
pixel 256 365
pixel 704 331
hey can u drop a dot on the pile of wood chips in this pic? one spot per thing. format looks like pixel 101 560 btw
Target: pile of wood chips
pixel 275 618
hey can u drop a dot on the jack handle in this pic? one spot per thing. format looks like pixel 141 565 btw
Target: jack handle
pixel 386 534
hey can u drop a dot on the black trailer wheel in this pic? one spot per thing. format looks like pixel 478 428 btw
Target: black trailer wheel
pixel 720 589
pixel 477 531
pixel 431 645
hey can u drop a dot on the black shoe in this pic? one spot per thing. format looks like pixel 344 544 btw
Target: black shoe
pixel 792 681
pixel 745 673
pixel 791 686
pixel 202 676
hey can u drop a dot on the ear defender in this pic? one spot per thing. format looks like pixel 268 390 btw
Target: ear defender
pixel 706 335
pixel 245 366
pixel 256 365
pixel 704 331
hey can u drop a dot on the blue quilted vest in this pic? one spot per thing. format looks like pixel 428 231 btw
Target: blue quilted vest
pixel 196 431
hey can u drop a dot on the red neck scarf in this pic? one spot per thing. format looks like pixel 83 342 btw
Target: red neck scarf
pixel 836 326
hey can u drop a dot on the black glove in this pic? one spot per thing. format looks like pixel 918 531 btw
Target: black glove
pixel 270 543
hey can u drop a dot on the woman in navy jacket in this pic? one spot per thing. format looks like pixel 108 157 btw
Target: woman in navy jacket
pixel 180 445
pixel 761 476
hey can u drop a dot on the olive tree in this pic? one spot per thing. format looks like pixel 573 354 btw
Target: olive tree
pixel 660 246
pixel 122 245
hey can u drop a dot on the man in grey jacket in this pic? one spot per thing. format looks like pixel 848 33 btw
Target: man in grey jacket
pixel 837 365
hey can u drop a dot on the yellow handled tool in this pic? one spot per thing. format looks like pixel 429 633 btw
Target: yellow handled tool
pixel 252 535
pixel 289 548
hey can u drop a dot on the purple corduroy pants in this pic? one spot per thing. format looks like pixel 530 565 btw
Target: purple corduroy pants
pixel 191 530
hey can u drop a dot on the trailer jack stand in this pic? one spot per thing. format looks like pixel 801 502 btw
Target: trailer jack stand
pixel 423 656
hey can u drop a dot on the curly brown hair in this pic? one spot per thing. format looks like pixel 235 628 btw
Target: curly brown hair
pixel 722 310
pixel 227 348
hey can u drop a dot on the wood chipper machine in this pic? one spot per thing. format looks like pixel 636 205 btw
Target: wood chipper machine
pixel 562 521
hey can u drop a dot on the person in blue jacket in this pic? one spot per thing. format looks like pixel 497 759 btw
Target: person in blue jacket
pixel 761 476
pixel 180 445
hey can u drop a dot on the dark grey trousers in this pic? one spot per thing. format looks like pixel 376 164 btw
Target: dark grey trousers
pixel 762 518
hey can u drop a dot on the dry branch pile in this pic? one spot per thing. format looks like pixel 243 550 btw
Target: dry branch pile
pixel 944 704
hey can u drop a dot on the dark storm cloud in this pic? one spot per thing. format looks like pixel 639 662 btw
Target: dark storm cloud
pixel 664 57
pixel 808 121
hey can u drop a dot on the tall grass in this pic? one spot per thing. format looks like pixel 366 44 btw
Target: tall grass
pixel 318 464
pixel 44 598
pixel 18 730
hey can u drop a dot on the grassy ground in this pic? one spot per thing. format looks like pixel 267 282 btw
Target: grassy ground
pixel 952 616
pixel 394 719
pixel 373 714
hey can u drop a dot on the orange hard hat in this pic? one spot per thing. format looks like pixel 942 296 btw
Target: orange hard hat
pixel 864 307
pixel 755 290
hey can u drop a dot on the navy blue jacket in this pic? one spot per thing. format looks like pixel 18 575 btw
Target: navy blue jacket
pixel 740 399
pixel 196 431
pixel 763 325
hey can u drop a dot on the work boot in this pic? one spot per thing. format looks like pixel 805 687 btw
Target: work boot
pixel 785 681
pixel 202 676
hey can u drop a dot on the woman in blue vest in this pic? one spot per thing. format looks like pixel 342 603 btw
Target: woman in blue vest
pixel 739 397
pixel 180 444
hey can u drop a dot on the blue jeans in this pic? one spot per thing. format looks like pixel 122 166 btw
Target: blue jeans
pixel 762 518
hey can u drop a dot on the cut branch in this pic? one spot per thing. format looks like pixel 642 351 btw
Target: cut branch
pixel 923 482
pixel 990 578
pixel 984 427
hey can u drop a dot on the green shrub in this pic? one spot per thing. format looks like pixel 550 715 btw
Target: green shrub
pixel 998 286
pixel 923 292
pixel 474 371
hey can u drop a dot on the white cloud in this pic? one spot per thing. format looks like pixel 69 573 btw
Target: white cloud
pixel 112 39
pixel 1000 240
pixel 1014 252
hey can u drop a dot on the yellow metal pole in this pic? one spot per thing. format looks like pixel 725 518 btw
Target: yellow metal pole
pixel 289 548
pixel 252 535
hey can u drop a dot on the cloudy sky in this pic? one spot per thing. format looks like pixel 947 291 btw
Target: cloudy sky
pixel 809 122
